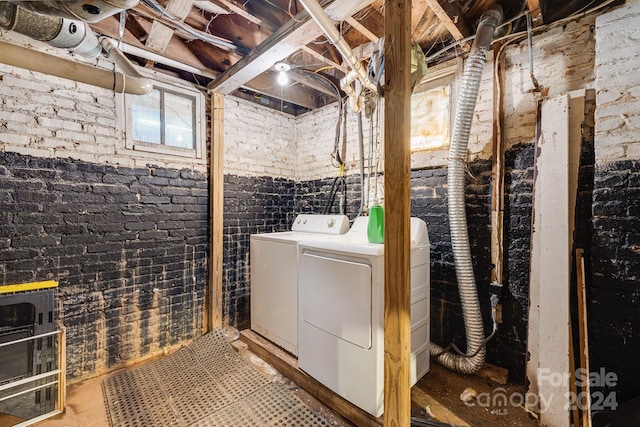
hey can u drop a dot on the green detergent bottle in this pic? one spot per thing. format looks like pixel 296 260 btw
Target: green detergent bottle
pixel 375 228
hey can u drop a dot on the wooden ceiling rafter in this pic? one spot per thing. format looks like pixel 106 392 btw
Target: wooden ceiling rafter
pixel 362 29
pixel 288 39
pixel 451 17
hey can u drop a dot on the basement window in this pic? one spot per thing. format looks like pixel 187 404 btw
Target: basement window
pixel 168 120
pixel 430 119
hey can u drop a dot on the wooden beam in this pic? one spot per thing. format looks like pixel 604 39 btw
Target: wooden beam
pixel 397 191
pixel 451 17
pixel 266 84
pixel 418 10
pixel 160 35
pixel 288 366
pixel 362 29
pixel 285 41
pixel 216 212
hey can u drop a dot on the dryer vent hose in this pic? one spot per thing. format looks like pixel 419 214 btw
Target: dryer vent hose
pixel 475 352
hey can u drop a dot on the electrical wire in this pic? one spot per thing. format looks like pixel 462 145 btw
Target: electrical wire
pixel 168 18
pixel 554 24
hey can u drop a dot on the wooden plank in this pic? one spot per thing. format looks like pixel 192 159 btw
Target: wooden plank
pixel 216 206
pixel 160 35
pixel 451 17
pixel 439 411
pixel 311 82
pixel 288 366
pixel 583 339
pixel 397 191
pixel 555 188
pixel 362 29
pixel 493 373
pixel 286 40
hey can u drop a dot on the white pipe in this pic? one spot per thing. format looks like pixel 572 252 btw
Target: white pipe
pixel 34 60
pixel 145 54
pixel 324 22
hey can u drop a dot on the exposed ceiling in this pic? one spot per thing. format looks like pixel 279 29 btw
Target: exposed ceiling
pixel 247 37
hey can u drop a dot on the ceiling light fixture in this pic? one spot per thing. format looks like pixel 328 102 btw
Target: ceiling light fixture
pixel 282 69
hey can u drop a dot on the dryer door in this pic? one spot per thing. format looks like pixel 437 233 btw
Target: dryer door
pixel 335 296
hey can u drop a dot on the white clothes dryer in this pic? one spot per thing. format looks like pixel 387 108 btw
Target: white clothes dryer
pixel 274 276
pixel 341 304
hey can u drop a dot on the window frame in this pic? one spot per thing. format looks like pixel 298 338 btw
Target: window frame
pixel 198 115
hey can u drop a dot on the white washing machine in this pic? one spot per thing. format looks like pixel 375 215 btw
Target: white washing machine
pixel 274 276
pixel 341 304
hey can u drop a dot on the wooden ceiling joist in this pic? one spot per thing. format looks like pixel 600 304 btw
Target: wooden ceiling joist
pixel 286 40
pixel 362 29
pixel 239 9
pixel 160 35
pixel 451 17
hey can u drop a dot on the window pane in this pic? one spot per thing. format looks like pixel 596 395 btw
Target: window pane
pixel 145 115
pixel 178 114
pixel 430 119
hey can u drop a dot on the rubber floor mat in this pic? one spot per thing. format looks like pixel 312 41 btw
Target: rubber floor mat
pixel 204 384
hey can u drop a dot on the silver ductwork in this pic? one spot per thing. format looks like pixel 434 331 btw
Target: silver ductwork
pixel 476 351
pixel 65 33
pixel 83 10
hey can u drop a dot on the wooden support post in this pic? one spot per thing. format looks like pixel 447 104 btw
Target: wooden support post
pixel 397 185
pixel 216 203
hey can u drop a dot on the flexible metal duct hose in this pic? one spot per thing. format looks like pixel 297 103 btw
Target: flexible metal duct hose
pixel 457 214
pixel 65 33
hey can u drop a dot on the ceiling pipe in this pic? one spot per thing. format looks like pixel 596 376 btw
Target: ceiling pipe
pixel 45 63
pixel 145 54
pixel 318 14
pixel 70 34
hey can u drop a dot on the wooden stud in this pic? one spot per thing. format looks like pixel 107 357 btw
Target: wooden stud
pixel 239 9
pixel 583 337
pixel 216 212
pixel 397 189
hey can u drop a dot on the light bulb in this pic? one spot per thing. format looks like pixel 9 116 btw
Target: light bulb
pixel 283 79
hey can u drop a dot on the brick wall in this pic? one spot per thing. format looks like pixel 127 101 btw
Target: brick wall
pixel 614 317
pixel 127 245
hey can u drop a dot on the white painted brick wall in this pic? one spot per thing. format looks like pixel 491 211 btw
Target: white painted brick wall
pixel 258 141
pixel 47 116
pixel 617 59
pixel 563 61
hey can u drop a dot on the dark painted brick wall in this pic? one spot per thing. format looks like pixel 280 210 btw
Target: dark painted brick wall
pixel 127 245
pixel 614 303
pixel 251 205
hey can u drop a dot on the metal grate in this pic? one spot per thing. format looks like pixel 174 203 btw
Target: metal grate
pixel 205 384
